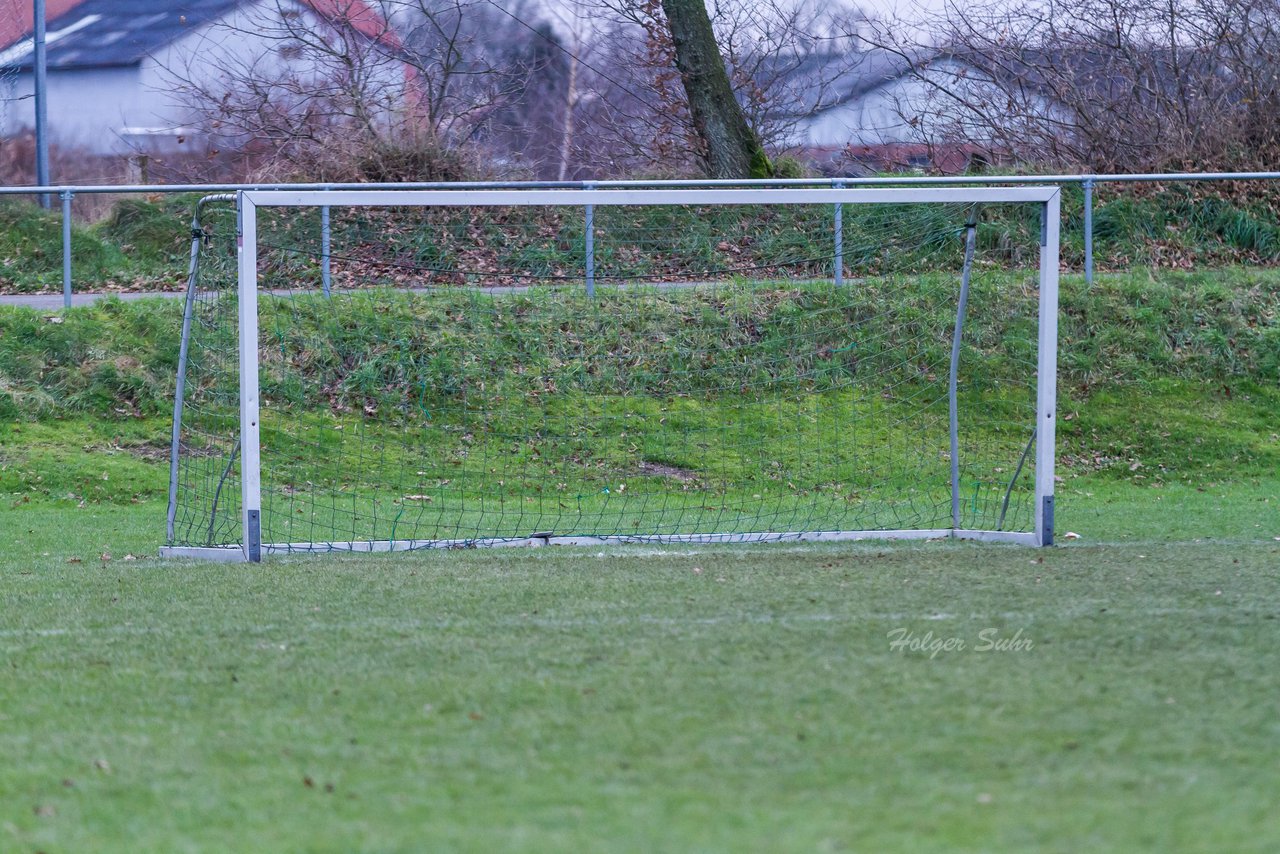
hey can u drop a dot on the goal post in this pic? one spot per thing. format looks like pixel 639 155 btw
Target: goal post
pixel 540 367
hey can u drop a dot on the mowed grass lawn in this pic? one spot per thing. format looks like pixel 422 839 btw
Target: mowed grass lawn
pixel 639 699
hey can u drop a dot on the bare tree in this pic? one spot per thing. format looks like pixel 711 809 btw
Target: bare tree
pixel 1104 84
pixel 528 125
pixel 784 61
pixel 580 44
pixel 461 51
pixel 392 91
pixel 787 61
pixel 511 85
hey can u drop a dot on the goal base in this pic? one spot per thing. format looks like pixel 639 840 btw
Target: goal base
pixel 236 553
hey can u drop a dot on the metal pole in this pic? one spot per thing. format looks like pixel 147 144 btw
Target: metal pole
pixel 1088 232
pixel 250 430
pixel 1047 369
pixel 326 273
pixel 953 403
pixel 66 196
pixel 42 106
pixel 590 247
pixel 180 391
pixel 839 237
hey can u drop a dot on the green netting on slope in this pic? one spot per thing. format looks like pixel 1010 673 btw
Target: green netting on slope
pixel 460 384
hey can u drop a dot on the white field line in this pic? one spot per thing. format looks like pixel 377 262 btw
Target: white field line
pixel 253 632
pixel 446 625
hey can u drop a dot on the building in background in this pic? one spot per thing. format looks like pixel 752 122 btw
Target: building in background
pixel 121 72
pixel 883 110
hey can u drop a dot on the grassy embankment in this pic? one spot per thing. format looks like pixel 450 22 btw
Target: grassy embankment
pixel 1168 382
pixel 143 244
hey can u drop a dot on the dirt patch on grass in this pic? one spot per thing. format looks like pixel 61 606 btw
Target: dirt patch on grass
pixel 154 451
pixel 664 470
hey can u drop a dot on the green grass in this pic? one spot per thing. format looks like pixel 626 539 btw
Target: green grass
pixel 1164 380
pixel 1219 327
pixel 637 699
pixel 719 699
pixel 142 243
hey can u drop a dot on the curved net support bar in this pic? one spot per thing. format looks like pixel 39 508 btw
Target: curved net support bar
pixel 235 553
pixel 379 371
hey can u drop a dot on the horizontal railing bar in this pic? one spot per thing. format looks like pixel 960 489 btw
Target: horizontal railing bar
pixel 905 180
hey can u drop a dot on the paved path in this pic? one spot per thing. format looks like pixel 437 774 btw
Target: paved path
pixel 53 302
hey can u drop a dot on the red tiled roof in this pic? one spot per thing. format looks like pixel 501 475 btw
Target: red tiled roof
pixel 358 15
pixel 16 20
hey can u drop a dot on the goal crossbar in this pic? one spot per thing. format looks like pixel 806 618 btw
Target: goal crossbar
pixel 763 196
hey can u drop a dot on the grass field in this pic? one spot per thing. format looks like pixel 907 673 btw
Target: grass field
pixel 768 698
pixel 710 698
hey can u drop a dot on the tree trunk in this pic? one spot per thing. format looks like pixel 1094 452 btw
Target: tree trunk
pixel 570 101
pixel 731 148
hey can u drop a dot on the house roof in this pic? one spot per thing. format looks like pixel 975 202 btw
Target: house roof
pixel 115 33
pixel 15 17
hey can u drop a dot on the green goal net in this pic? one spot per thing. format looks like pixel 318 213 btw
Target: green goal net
pixel 463 369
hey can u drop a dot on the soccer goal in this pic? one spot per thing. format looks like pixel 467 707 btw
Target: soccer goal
pixel 398 370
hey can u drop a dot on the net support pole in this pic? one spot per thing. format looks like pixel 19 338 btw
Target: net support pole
pixel 326 245
pixel 953 402
pixel 1088 231
pixel 589 246
pixel 838 229
pixel 66 196
pixel 1047 369
pixel 250 448
pixel 180 386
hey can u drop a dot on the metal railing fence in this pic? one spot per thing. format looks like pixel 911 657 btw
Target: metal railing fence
pixel 1087 183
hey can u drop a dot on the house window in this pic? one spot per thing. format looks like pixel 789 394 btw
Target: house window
pixel 291 50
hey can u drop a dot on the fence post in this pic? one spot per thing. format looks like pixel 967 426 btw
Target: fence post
pixel 66 196
pixel 839 237
pixel 41 84
pixel 326 269
pixel 1088 232
pixel 590 245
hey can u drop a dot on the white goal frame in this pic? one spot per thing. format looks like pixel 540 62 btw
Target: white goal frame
pixel 248 202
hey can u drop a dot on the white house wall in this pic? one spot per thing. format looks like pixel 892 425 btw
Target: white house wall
pixel 928 107
pixel 872 119
pixel 120 111
pixel 85 107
